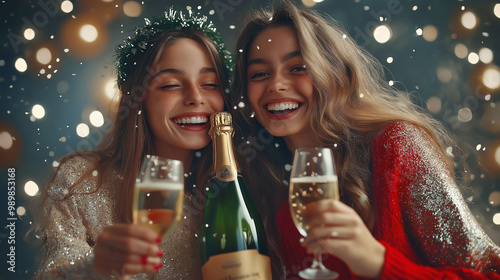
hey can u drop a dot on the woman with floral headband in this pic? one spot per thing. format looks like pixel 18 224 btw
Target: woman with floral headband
pixel 401 215
pixel 175 67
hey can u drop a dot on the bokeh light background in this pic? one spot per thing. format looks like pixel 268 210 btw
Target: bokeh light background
pixel 57 83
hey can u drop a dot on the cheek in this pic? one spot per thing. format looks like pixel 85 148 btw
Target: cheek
pixel 253 97
pixel 217 102
pixel 305 87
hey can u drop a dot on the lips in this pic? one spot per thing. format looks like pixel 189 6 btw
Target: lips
pixel 192 121
pixel 282 109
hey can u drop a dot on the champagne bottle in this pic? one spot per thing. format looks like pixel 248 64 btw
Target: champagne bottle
pixel 233 241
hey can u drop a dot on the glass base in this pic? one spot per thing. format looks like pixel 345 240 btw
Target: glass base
pixel 315 273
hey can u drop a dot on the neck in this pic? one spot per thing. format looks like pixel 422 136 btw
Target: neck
pixel 294 142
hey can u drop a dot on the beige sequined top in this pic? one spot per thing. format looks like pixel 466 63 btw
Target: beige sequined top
pixel 73 224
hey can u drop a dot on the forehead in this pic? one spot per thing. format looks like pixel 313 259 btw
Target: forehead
pixel 184 52
pixel 273 41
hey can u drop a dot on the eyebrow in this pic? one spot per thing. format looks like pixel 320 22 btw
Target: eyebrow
pixel 286 57
pixel 203 70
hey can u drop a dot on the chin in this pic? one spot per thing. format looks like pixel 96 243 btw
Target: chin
pixel 279 129
pixel 197 145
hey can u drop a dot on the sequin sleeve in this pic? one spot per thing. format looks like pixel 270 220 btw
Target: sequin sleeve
pixel 68 246
pixel 446 239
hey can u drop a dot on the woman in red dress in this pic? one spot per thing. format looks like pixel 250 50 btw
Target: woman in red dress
pixel 301 81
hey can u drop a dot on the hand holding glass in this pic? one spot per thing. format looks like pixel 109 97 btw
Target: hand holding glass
pixel 313 178
pixel 159 194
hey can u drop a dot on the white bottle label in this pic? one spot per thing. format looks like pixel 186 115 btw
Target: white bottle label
pixel 246 264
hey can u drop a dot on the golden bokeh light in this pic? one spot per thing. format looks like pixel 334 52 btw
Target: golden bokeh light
pixel 96 118
pixel 31 188
pixel 21 65
pixel 469 20
pixel 491 78
pixel 382 34
pixel 486 55
pixel 82 130
pixel 430 33
pixel 67 6
pixel 490 160
pixel 38 111
pixel 43 56
pixel 496 219
pixel 29 34
pixel 132 9
pixel 463 23
pixel 444 74
pixel 434 105
pixel 88 33
pixel 485 80
pixel 473 58
pixel 84 37
pixel 11 145
pixel 461 50
pixel 309 3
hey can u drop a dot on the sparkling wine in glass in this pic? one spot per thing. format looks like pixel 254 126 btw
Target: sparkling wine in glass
pixel 313 178
pixel 159 194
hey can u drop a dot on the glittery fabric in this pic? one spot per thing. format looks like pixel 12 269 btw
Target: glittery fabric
pixel 74 223
pixel 422 219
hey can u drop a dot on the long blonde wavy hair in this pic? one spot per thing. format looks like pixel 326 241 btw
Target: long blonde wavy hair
pixel 353 105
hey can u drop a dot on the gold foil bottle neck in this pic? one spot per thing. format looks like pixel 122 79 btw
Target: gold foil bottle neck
pixel 221 118
pixel 220 121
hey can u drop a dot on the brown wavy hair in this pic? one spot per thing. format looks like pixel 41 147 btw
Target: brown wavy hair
pixel 353 105
pixel 130 137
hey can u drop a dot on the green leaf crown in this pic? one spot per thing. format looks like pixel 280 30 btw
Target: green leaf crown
pixel 127 53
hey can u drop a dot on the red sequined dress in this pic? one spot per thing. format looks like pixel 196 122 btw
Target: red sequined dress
pixel 422 219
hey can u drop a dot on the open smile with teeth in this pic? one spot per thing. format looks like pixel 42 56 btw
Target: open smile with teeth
pixel 191 121
pixel 282 108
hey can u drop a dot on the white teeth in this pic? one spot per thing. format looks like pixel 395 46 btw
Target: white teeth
pixel 192 120
pixel 282 106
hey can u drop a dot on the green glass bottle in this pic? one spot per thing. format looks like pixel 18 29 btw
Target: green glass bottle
pixel 232 240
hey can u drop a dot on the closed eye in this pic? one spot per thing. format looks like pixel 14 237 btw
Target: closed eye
pixel 210 86
pixel 169 86
pixel 298 68
pixel 258 75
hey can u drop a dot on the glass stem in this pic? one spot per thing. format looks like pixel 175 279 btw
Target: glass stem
pixel 318 261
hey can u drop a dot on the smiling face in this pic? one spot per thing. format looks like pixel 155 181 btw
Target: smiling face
pixel 280 90
pixel 181 95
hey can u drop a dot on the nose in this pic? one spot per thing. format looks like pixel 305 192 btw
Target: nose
pixel 279 83
pixel 193 96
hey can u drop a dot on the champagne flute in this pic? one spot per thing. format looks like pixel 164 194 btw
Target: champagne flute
pixel 313 178
pixel 159 194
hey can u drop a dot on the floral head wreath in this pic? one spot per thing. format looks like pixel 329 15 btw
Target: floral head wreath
pixel 127 53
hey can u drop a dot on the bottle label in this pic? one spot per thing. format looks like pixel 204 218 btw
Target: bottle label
pixel 246 264
pixel 227 173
